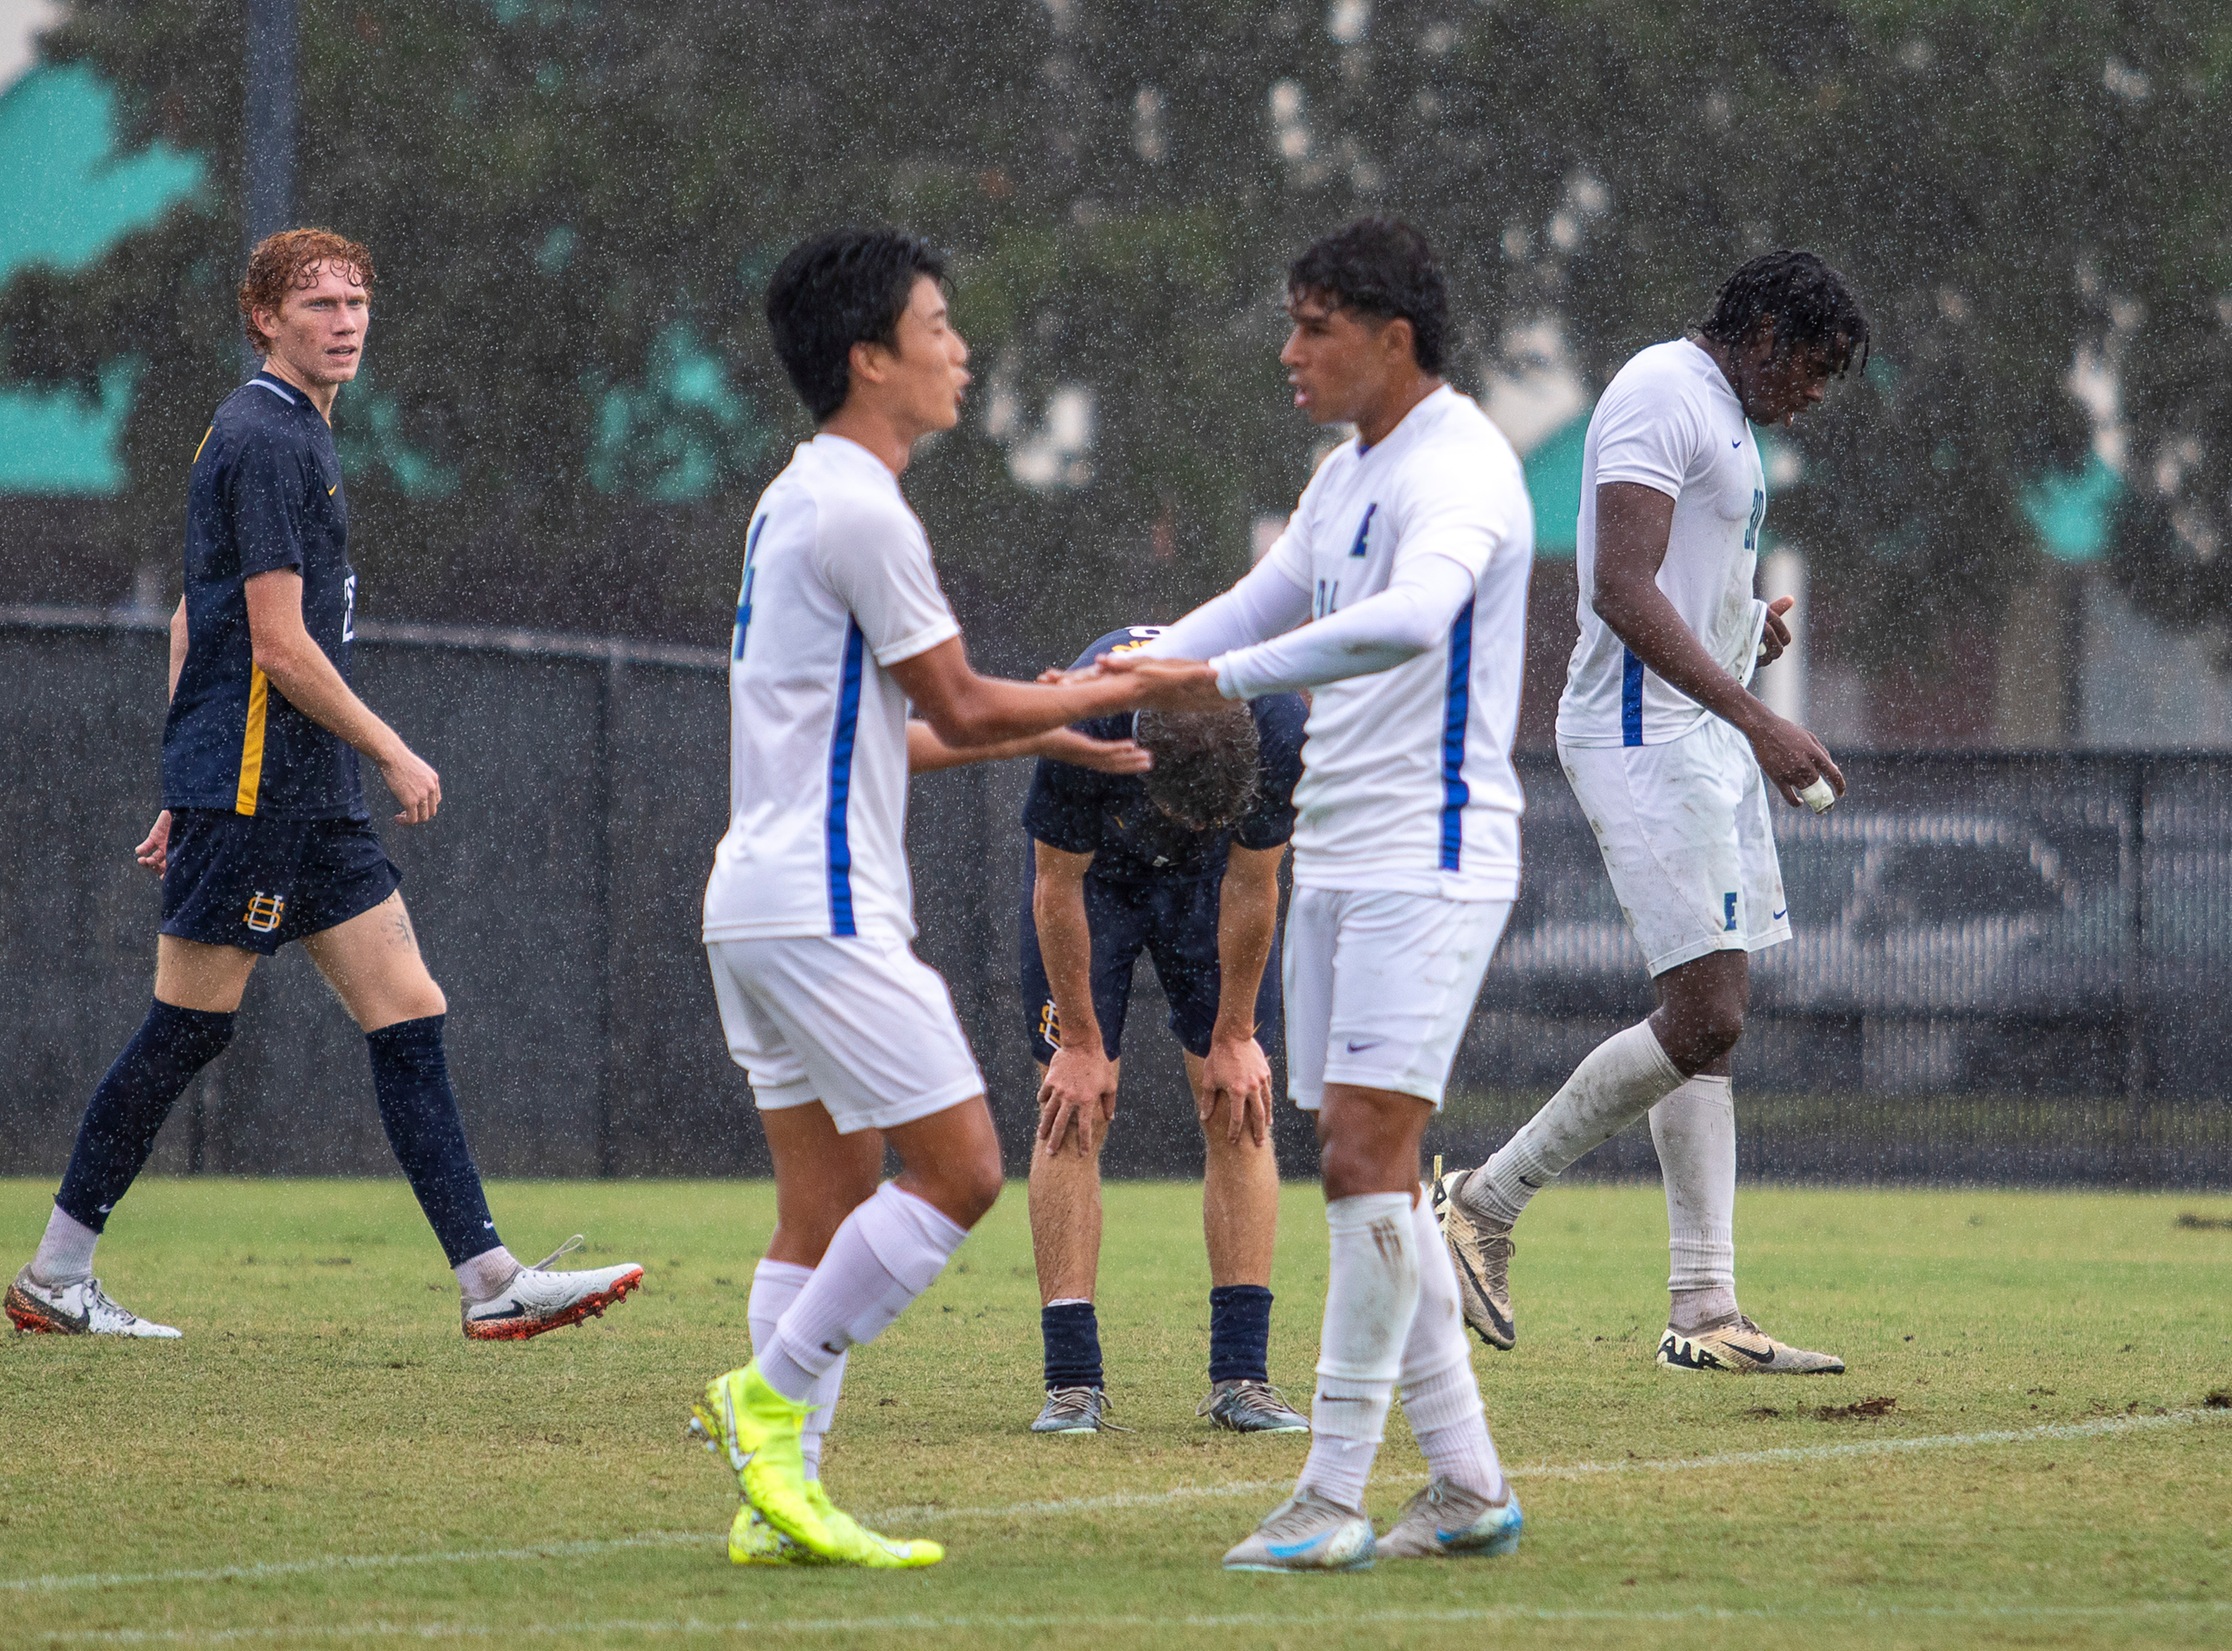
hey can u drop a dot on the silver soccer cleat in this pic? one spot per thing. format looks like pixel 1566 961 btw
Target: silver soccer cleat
pixel 1447 1519
pixel 1072 1410
pixel 1482 1253
pixel 1306 1533
pixel 1247 1406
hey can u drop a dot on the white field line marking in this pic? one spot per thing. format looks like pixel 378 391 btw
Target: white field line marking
pixel 2105 1425
pixel 2102 1427
pixel 923 1623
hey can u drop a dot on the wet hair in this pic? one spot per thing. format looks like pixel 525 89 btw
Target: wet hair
pixel 289 262
pixel 1205 764
pixel 838 289
pixel 1380 267
pixel 1812 307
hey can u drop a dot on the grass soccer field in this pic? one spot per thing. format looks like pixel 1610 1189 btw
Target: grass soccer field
pixel 2025 1453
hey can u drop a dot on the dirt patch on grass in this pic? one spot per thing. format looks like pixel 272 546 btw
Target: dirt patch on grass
pixel 1860 1410
pixel 2205 1223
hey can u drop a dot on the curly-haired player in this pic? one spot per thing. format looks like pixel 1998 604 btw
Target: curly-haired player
pixel 1183 865
pixel 264 836
pixel 1671 758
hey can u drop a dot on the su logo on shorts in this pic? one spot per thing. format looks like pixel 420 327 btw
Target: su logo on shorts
pixel 264 911
pixel 1050 1025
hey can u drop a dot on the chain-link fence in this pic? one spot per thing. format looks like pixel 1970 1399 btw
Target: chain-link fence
pixel 2007 967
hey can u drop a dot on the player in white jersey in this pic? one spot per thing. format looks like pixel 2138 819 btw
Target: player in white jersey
pixel 1398 596
pixel 848 1039
pixel 1670 757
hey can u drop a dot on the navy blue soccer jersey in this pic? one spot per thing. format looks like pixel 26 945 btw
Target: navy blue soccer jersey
pixel 265 493
pixel 1110 817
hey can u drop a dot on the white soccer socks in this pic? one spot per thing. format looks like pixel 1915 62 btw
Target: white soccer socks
pixel 1616 1082
pixel 1694 1130
pixel 1441 1396
pixel 1371 1297
pixel 484 1277
pixel 775 1285
pixel 888 1252
pixel 65 1254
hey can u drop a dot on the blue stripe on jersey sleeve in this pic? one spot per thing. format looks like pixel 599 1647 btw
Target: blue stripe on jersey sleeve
pixel 840 786
pixel 1456 717
pixel 1631 699
pixel 744 596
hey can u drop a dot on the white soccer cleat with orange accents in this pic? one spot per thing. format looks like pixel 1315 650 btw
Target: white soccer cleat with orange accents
pixel 538 1299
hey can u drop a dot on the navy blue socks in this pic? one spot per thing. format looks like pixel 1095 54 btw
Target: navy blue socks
pixel 1239 1338
pixel 130 1104
pixel 1239 1333
pixel 418 1109
pixel 1073 1355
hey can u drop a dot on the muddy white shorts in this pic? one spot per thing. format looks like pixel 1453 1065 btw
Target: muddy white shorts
pixel 861 1025
pixel 1687 840
pixel 1379 986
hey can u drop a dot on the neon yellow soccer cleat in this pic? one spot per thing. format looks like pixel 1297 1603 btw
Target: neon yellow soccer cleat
pixel 871 1549
pixel 756 1430
pixel 753 1541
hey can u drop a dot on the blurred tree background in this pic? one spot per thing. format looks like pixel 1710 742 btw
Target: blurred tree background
pixel 569 402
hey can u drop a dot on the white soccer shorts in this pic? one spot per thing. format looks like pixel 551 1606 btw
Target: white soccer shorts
pixel 861 1025
pixel 1379 987
pixel 1687 841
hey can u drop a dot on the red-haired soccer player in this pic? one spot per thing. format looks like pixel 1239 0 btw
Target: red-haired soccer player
pixel 264 836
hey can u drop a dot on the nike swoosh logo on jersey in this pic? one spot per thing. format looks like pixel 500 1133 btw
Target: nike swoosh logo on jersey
pixel 1779 916
pixel 1356 1048
pixel 1738 442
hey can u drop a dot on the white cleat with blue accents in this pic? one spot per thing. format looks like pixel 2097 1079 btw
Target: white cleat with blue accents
pixel 1306 1532
pixel 1447 1519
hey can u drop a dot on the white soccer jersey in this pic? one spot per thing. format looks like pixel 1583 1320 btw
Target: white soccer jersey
pixel 1670 421
pixel 838 586
pixel 1407 781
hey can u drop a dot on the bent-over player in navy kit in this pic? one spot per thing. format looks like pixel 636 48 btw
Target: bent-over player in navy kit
pixel 1181 863
pixel 264 836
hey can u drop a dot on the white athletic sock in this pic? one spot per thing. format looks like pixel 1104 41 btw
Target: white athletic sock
pixel 775 1285
pixel 1694 1130
pixel 65 1253
pixel 1615 1083
pixel 1441 1396
pixel 1371 1296
pixel 484 1277
pixel 888 1252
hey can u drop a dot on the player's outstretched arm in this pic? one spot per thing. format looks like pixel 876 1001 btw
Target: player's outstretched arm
pixel 286 652
pixel 968 711
pixel 1386 629
pixel 1236 1072
pixel 1078 1096
pixel 926 753
pixel 1633 523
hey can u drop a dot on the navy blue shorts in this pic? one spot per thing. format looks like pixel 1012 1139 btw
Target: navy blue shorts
pixel 238 880
pixel 1175 923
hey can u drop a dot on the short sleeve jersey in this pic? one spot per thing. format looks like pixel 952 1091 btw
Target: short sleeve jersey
pixel 1407 782
pixel 1109 816
pixel 1670 421
pixel 838 587
pixel 264 493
